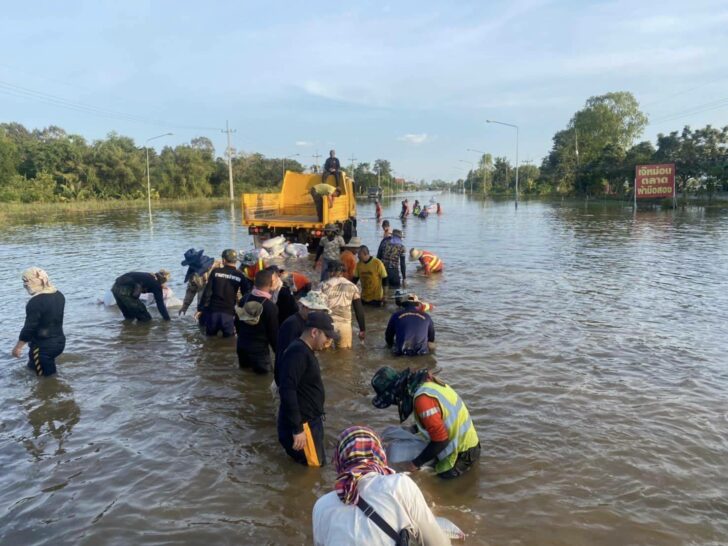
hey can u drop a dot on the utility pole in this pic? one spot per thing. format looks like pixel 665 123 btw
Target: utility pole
pixel 316 156
pixel 352 159
pixel 229 153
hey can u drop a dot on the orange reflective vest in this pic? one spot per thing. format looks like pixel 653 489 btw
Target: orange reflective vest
pixel 250 270
pixel 430 262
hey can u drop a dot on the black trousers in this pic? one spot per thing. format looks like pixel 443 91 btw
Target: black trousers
pixel 335 174
pixel 318 201
pixel 254 357
pixel 316 428
pixel 129 304
pixel 464 462
pixel 42 357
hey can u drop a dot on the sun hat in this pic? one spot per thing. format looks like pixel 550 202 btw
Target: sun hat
pixel 315 300
pixel 250 312
pixel 416 254
pixel 354 242
pixel 331 227
pixel 385 383
pixel 193 257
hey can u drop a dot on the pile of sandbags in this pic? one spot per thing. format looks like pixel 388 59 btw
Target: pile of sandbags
pixel 275 246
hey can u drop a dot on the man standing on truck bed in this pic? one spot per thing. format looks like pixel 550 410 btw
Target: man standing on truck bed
pixel 318 192
pixel 332 166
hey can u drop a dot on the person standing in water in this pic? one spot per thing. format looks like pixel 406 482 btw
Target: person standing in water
pixel 43 328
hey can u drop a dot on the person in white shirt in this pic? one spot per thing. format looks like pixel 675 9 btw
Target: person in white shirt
pixel 363 475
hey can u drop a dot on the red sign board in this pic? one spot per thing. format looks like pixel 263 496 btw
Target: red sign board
pixel 654 181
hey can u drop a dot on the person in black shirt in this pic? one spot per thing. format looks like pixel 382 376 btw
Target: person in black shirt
pixel 332 166
pixel 217 305
pixel 281 295
pixel 130 286
pixel 300 419
pixel 257 325
pixel 43 328
pixel 293 326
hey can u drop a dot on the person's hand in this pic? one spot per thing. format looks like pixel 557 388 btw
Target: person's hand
pixel 198 314
pixel 181 312
pixel 18 351
pixel 362 335
pixel 299 441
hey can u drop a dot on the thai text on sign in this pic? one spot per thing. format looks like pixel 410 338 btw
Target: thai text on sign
pixel 653 181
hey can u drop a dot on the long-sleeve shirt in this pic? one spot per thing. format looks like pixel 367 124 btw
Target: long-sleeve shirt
pixel 147 282
pixel 290 330
pixel 393 257
pixel 300 386
pixel 286 304
pixel 195 287
pixel 257 337
pixel 332 163
pixel 44 319
pixel 412 329
pixel 395 497
pixel 221 291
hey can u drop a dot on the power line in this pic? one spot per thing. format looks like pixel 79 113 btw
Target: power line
pixel 11 89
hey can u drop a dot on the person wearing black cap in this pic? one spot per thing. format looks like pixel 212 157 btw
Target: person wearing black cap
pixel 130 286
pixel 217 305
pixel 298 375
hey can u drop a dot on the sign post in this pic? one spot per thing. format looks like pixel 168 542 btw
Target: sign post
pixel 654 182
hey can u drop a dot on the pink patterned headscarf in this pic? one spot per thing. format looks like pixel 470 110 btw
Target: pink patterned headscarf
pixel 358 452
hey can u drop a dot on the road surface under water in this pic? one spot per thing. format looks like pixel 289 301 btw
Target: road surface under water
pixel 588 343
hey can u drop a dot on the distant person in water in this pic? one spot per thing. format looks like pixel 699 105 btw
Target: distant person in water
pixel 332 166
pixel 405 209
pixel 439 209
pixel 429 262
pixel 130 286
pixel 377 209
pixel 416 209
pixel 386 229
pixel 43 328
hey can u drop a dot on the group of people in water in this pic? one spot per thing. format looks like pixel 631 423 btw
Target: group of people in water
pixel 271 310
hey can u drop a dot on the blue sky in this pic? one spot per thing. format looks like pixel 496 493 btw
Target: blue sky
pixel 412 82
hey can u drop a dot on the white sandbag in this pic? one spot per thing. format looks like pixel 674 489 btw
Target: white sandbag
pixel 401 445
pixel 274 242
pixel 275 251
pixel 451 530
pixel 296 250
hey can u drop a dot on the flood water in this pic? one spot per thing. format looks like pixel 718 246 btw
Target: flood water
pixel 588 343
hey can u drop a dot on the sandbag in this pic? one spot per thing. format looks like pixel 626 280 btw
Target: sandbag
pixel 274 242
pixel 296 250
pixel 401 445
pixel 451 530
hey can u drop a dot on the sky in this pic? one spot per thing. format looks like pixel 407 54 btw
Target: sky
pixel 410 81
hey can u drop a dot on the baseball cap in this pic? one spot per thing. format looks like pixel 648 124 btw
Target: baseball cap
pixel 322 321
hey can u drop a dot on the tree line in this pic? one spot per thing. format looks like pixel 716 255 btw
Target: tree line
pixel 597 152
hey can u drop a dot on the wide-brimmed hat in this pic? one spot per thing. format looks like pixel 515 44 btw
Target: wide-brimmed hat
pixel 193 257
pixel 316 301
pixel 331 227
pixel 250 312
pixel 354 242
pixel 386 383
pixel 416 254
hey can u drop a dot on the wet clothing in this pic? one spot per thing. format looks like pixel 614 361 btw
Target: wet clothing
pixel 408 332
pixel 291 329
pixel 130 286
pixel 254 340
pixel 221 291
pixel 371 273
pixel 397 500
pixel 393 257
pixel 313 454
pixel 218 321
pixel 461 445
pixel 430 263
pixel 342 295
pixel 302 395
pixel 286 303
pixel 347 258
pixel 43 331
pixel 195 287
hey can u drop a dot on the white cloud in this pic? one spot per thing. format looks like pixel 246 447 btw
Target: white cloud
pixel 414 138
pixel 304 143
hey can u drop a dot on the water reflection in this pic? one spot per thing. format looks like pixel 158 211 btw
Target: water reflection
pixel 52 414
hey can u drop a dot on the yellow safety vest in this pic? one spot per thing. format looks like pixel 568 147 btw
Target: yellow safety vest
pixel 460 429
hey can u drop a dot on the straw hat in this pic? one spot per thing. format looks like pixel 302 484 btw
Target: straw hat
pixel 415 254
pixel 354 242
pixel 315 300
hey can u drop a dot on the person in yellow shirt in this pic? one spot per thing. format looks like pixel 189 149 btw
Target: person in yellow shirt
pixel 317 194
pixel 370 271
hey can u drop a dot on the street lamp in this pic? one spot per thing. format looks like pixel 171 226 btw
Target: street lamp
pixel 284 162
pixel 472 168
pixel 484 168
pixel 149 184
pixel 516 128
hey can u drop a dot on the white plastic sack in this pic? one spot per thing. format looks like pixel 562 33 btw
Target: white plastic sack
pixel 274 242
pixel 451 530
pixel 401 445
pixel 297 250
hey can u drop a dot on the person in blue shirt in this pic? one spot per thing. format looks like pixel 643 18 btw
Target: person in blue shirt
pixel 410 331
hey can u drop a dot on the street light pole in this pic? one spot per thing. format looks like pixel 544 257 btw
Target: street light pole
pixel 484 169
pixel 516 128
pixel 149 184
pixel 472 168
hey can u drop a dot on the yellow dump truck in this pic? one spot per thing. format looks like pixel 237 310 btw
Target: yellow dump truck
pixel 292 212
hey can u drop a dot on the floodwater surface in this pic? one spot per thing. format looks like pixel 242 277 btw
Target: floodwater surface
pixel 589 344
